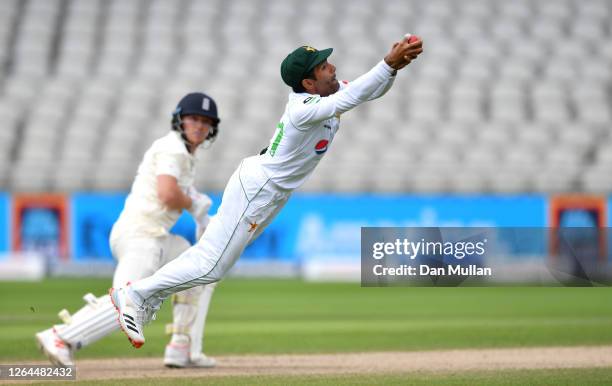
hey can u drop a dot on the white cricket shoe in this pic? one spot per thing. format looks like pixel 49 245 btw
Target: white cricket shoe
pixel 178 356
pixel 131 317
pixel 59 352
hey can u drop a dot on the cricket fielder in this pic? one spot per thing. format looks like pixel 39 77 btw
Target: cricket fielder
pixel 262 184
pixel 141 242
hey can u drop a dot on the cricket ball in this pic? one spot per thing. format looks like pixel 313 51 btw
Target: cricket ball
pixel 411 38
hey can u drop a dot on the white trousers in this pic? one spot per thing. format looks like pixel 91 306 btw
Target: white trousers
pixel 138 257
pixel 250 202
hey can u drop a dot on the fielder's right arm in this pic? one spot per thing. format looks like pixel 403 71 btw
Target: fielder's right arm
pixel 366 87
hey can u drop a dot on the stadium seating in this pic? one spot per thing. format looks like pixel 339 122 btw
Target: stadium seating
pixel 510 96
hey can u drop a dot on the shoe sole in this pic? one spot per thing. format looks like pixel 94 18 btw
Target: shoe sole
pixel 188 366
pixel 135 343
pixel 52 358
pixel 173 366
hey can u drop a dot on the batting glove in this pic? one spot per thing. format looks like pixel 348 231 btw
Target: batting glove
pixel 200 204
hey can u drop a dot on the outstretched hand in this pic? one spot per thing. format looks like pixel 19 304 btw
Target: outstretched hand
pixel 403 52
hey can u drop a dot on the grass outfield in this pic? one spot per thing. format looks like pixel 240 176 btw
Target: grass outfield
pixel 283 316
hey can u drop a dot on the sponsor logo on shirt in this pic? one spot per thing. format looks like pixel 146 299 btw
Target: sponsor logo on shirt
pixel 321 146
pixel 278 138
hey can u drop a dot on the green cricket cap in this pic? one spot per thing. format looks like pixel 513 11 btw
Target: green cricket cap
pixel 298 63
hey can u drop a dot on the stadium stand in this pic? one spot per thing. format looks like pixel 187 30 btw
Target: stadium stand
pixel 510 96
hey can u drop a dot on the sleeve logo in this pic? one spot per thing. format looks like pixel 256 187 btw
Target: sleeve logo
pixel 312 99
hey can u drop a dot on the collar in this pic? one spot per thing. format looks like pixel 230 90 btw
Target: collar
pixel 183 146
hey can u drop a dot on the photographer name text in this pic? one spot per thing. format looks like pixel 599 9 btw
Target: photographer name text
pixel 411 250
pixel 426 270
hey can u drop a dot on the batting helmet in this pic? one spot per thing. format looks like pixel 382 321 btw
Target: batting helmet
pixel 196 103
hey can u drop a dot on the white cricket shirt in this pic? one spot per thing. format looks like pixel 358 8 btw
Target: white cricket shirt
pixel 144 214
pixel 310 122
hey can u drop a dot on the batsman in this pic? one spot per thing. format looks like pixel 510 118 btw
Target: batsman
pixel 262 184
pixel 141 242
